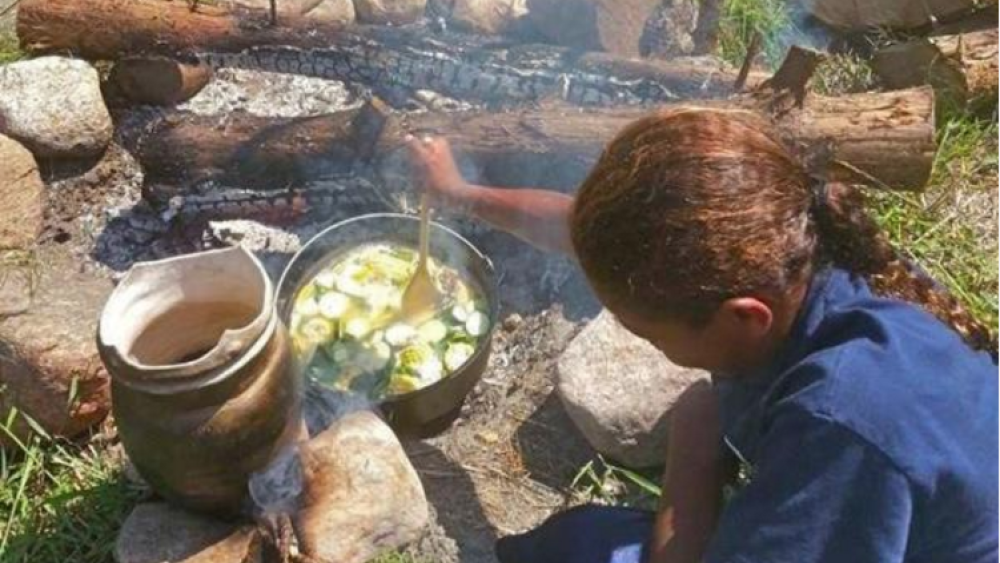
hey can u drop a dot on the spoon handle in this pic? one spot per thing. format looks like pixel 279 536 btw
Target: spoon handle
pixel 425 229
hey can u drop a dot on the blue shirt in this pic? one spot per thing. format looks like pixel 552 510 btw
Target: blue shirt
pixel 872 437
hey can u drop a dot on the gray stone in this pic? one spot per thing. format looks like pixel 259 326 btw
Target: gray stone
pixel 395 12
pixel 49 366
pixel 53 105
pixel 595 25
pixel 361 497
pixel 23 195
pixel 618 390
pixel 481 16
pixel 669 32
pixel 160 533
pixel 332 11
pixel 319 11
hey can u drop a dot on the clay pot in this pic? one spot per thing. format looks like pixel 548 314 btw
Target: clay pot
pixel 203 389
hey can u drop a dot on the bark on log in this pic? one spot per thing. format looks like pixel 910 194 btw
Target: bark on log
pixel 886 14
pixel 157 81
pixel 885 139
pixel 961 68
pixel 144 27
pixel 463 66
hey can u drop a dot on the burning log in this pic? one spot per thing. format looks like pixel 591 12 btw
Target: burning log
pixel 389 59
pixel 960 67
pixel 158 80
pixel 881 138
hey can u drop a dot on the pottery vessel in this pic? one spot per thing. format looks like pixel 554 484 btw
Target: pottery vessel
pixel 203 389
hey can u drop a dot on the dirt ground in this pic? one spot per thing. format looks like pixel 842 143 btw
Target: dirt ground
pixel 507 463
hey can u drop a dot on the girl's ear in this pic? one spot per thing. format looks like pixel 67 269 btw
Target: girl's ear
pixel 748 315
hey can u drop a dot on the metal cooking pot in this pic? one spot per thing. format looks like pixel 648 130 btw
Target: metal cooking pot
pixel 430 410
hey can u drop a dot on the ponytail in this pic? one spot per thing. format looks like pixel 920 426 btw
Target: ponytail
pixel 850 239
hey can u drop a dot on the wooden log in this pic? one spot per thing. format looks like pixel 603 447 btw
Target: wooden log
pixel 961 68
pixel 886 14
pixel 158 81
pixel 143 27
pixel 886 139
pixel 462 66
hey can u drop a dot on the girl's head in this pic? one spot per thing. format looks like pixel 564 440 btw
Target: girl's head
pixel 700 231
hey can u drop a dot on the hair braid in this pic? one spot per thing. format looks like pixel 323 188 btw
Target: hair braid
pixel 850 238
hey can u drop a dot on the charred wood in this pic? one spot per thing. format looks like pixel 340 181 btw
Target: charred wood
pixel 886 139
pixel 961 68
pixel 462 66
pixel 157 80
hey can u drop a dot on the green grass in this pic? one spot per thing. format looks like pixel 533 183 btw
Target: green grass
pixel 602 482
pixel 60 501
pixel 741 19
pixel 843 74
pixel 9 49
pixel 950 229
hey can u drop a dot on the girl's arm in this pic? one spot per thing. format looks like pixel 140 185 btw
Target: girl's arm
pixel 693 481
pixel 539 217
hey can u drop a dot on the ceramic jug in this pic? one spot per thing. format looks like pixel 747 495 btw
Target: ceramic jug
pixel 203 389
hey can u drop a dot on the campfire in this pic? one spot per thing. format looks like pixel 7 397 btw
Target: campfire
pixel 226 125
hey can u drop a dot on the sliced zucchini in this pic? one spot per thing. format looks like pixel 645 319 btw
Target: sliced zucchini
pixel 341 353
pixel 460 312
pixel 412 358
pixel 402 383
pixel 431 371
pixel 400 334
pixel 334 305
pixel 352 281
pixel 307 307
pixel 477 324
pixel 457 354
pixel 316 330
pixel 382 350
pixel 307 292
pixel 326 279
pixel 357 328
pixel 432 332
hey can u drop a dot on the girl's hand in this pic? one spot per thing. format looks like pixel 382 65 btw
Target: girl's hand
pixel 436 171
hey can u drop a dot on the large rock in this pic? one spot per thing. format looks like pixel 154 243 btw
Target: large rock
pixel 49 366
pixel 23 195
pixel 53 105
pixel 595 25
pixel 669 31
pixel 481 16
pixel 395 12
pixel 618 390
pixel 159 533
pixel 361 496
pixel 320 11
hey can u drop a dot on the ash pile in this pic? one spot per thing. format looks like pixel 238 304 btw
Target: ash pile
pixel 212 124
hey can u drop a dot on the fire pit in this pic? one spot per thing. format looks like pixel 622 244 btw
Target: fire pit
pixel 429 410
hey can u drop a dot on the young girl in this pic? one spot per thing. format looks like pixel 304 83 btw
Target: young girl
pixel 861 394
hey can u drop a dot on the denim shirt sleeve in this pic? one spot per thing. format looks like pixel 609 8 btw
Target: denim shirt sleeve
pixel 819 494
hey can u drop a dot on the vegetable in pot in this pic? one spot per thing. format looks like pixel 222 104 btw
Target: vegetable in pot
pixel 350 311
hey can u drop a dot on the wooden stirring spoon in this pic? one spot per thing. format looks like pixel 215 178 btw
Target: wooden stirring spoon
pixel 421 297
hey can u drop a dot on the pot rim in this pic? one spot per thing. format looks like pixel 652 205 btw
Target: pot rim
pixel 185 374
pixel 492 294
